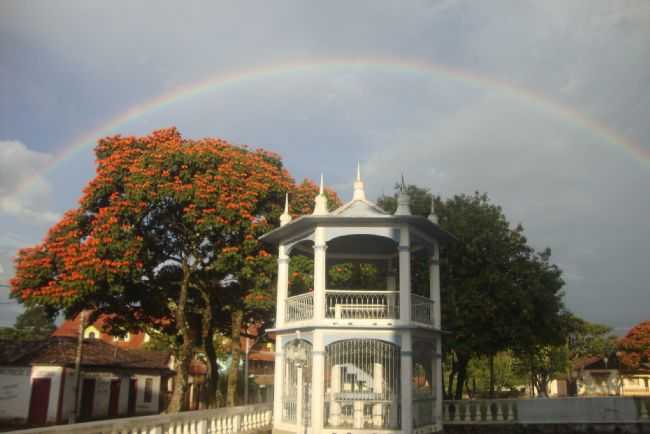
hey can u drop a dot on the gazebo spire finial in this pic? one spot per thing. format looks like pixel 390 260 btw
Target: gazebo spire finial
pixel 403 200
pixel 359 193
pixel 320 206
pixel 285 217
pixel 432 214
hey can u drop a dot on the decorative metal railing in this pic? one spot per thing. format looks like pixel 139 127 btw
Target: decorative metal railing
pixel 300 307
pixel 421 309
pixel 479 411
pixel 361 304
pixel 362 384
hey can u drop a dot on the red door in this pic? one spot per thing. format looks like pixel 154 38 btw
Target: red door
pixel 87 398
pixel 39 401
pixel 113 403
pixel 133 390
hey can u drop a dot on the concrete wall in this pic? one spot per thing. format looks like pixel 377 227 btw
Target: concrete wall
pixel 15 391
pixel 16 388
pixel 142 407
pixel 67 407
pixel 101 399
pixel 576 410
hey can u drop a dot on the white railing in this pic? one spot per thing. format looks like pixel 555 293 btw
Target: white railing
pixel 424 413
pixel 421 309
pixel 544 411
pixel 300 307
pixel 479 411
pixel 361 304
pixel 230 420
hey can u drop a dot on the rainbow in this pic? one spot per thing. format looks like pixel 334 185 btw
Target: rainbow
pixel 190 90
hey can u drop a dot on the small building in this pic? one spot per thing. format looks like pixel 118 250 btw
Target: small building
pixel 37 381
pixel 601 376
pixel 366 357
pixel 97 330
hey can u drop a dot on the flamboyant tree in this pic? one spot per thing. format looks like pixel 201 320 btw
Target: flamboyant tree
pixel 165 221
pixel 634 348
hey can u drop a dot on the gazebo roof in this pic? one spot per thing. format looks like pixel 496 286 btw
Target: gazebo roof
pixel 304 223
pixel 359 212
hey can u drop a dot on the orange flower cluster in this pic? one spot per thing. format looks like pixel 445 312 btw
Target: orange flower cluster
pixel 197 190
pixel 634 348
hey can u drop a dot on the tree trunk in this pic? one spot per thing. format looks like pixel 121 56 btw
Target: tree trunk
pixel 207 335
pixel 450 383
pixel 235 350
pixel 491 376
pixel 177 401
pixel 462 376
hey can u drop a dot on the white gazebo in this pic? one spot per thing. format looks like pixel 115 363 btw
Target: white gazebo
pixel 363 354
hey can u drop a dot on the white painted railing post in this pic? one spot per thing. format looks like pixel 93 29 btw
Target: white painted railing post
pixel 643 413
pixel 499 411
pixel 202 427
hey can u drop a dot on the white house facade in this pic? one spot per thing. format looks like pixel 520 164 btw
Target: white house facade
pixel 358 359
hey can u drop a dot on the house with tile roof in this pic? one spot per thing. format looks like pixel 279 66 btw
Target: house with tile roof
pixel 38 381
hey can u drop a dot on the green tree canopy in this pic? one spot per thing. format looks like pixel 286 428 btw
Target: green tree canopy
pixel 33 323
pixel 496 290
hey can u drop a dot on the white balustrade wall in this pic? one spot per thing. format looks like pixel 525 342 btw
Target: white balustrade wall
pixel 579 410
pixel 230 420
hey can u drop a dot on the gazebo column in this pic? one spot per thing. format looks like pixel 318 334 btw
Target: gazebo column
pixel 406 380
pixel 320 271
pixel 278 384
pixel 434 294
pixel 317 383
pixel 404 273
pixel 283 285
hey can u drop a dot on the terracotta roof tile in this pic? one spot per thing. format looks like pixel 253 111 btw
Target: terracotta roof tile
pixel 62 351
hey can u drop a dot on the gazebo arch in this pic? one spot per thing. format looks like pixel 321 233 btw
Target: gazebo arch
pixel 362 384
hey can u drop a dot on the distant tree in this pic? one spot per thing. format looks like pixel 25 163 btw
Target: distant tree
pixel 542 363
pixel 634 348
pixel 496 290
pixel 587 339
pixel 502 375
pixel 33 324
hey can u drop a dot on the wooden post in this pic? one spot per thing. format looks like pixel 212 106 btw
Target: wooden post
pixel 77 368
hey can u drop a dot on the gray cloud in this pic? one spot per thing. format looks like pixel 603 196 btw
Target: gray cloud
pixel 19 166
pixel 79 63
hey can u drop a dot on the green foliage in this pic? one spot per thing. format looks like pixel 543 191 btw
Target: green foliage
pixel 542 363
pixel 33 324
pixel 341 276
pixel 588 339
pixel 507 379
pixel 420 200
pixel 356 275
pixel 301 275
pixel 497 292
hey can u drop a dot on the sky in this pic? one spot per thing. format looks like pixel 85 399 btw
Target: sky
pixel 543 105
